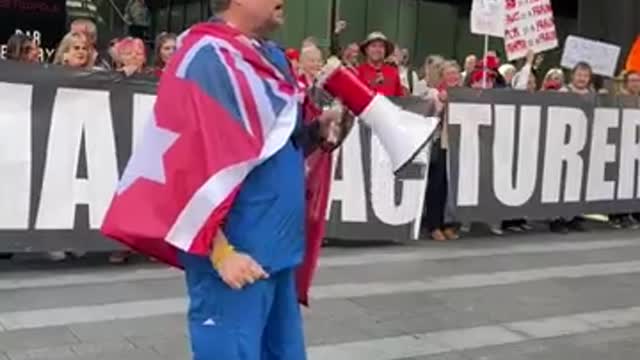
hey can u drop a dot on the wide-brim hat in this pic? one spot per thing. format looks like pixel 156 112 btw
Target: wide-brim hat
pixel 377 36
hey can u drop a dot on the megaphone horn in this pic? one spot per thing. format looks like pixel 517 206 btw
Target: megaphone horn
pixel 403 134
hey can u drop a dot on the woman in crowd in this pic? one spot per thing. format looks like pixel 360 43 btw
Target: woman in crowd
pixel 630 87
pixel 437 185
pixel 74 52
pixel 523 80
pixel 88 28
pixel 507 71
pixel 350 55
pixel 165 46
pixel 408 77
pixel 430 76
pixel 581 84
pixel 311 63
pixel 485 77
pixel 131 56
pixel 554 80
pixel 21 47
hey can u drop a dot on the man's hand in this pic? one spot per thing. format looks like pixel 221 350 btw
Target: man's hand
pixel 531 57
pixel 235 269
pixel 238 270
pixel 341 26
pixel 330 125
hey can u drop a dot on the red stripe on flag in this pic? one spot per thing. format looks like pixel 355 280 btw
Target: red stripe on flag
pixel 248 98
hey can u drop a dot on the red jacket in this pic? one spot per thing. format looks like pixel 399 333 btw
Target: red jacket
pixel 385 80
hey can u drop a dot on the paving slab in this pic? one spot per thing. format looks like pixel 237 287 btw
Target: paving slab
pixel 36 338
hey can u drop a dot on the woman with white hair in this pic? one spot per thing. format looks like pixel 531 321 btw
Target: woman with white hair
pixel 74 52
pixel 554 80
pixel 507 71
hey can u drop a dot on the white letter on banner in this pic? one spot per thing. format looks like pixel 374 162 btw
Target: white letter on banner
pixel 469 117
pixel 383 189
pixel 601 153
pixel 76 112
pixel 563 120
pixel 509 191
pixel 350 189
pixel 142 108
pixel 629 176
pixel 15 155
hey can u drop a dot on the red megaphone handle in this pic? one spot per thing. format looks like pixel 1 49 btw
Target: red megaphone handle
pixel 354 94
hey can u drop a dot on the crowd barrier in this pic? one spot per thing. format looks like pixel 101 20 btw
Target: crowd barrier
pixel 65 138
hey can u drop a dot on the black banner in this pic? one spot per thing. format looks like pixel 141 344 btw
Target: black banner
pixel 65 137
pixel 43 20
pixel 539 156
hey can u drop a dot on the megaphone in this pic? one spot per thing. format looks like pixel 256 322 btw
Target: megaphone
pixel 403 134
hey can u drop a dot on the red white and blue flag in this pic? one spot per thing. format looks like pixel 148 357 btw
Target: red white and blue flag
pixel 222 109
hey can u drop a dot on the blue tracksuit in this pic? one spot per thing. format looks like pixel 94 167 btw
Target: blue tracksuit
pixel 266 221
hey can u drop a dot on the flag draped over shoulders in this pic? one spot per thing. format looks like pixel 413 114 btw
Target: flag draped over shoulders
pixel 222 109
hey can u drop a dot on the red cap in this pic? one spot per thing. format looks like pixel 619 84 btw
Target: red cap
pixel 491 62
pixel 478 74
pixel 293 54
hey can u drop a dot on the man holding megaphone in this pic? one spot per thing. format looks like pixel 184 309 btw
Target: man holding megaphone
pixel 402 133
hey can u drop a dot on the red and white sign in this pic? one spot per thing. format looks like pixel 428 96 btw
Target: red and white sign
pixel 529 25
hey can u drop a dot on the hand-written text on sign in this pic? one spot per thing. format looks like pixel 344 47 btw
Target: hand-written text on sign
pixel 529 25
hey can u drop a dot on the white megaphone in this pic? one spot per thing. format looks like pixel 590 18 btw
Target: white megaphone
pixel 402 133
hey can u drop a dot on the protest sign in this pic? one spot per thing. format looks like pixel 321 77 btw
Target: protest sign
pixel 487 17
pixel 529 25
pixel 602 57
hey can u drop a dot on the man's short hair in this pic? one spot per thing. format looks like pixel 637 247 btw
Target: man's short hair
pixel 86 26
pixel 582 65
pixel 219 5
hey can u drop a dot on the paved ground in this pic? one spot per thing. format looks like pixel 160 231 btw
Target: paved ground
pixel 533 297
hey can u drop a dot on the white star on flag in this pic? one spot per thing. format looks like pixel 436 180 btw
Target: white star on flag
pixel 147 159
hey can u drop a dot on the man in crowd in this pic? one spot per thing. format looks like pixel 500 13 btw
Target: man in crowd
pixel 382 78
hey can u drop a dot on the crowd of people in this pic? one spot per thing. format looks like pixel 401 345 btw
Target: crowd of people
pixel 78 49
pixel 385 67
pixel 380 64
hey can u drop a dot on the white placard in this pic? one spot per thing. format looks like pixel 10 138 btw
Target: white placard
pixel 602 57
pixel 529 25
pixel 488 17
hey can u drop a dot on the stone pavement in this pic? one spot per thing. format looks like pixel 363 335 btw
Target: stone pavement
pixel 530 297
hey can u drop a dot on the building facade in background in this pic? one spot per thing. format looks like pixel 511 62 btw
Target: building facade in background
pixel 423 26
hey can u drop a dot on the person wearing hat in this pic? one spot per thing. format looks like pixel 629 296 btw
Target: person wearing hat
pixel 381 77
